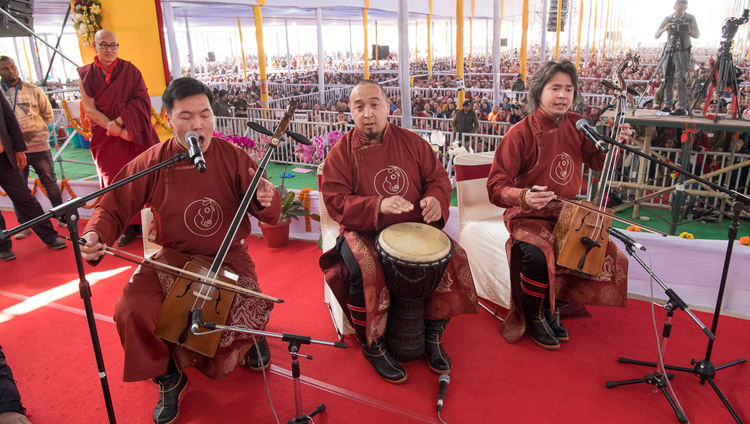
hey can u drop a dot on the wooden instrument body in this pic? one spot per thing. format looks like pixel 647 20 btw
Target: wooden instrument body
pixel 173 322
pixel 572 226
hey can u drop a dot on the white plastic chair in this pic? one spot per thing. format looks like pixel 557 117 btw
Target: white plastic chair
pixel 482 232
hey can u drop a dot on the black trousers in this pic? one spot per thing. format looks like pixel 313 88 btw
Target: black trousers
pixel 356 288
pixel 15 186
pixel 533 261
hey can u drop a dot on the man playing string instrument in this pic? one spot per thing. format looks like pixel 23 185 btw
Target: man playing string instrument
pixel 377 175
pixel 192 213
pixel 539 159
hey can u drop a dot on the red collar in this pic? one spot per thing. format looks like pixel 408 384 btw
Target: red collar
pixel 107 69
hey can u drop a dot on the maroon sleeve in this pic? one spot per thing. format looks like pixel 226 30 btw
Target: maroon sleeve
pixel 507 166
pixel 434 177
pixel 136 111
pixel 351 211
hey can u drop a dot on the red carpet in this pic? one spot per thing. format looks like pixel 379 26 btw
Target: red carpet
pixel 49 348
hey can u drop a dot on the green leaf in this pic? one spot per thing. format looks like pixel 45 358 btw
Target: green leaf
pixel 315 217
pixel 297 212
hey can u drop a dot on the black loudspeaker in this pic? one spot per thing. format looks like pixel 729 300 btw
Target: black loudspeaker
pixel 381 53
pixel 211 57
pixel 552 20
pixel 23 10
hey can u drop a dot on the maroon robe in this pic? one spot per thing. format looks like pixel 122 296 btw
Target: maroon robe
pixel 126 96
pixel 356 177
pixel 192 213
pixel 539 151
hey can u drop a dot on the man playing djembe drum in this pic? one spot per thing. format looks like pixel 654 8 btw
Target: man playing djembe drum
pixel 378 175
pixel 540 158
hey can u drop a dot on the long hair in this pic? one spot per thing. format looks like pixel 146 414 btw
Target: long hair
pixel 543 75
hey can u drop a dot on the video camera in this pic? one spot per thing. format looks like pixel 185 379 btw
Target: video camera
pixel 680 26
pixel 730 25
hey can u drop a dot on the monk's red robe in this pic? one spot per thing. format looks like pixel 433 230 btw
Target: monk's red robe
pixel 192 213
pixel 125 95
pixel 540 151
pixel 356 177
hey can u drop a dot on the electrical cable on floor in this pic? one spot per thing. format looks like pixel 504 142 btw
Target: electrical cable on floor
pixel 265 379
pixel 660 364
pixel 441 418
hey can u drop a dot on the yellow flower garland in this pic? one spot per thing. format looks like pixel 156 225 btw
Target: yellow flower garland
pixel 159 120
pixel 75 123
pixel 304 197
pixel 64 186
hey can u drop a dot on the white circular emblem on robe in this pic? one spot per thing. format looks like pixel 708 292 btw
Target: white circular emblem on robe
pixel 203 217
pixel 562 170
pixel 391 181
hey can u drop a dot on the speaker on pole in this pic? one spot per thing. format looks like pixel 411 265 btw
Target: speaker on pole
pixel 23 10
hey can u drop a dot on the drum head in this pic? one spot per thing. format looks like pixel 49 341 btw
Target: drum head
pixel 414 242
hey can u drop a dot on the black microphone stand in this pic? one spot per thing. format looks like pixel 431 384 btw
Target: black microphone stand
pixel 704 368
pixel 68 212
pixel 295 341
pixel 659 377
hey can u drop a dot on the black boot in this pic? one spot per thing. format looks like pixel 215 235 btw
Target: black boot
pixel 127 236
pixel 437 358
pixel 376 354
pixel 533 296
pixel 554 322
pixel 172 389
pixel 252 360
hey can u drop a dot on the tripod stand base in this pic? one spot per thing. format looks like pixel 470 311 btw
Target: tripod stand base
pixel 659 381
pixel 306 418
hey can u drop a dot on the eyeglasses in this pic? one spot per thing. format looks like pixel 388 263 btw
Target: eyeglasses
pixel 105 46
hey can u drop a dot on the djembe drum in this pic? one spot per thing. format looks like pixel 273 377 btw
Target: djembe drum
pixel 414 257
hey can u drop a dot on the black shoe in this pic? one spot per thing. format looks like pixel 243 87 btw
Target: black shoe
pixel 666 109
pixel 57 244
pixel 127 236
pixel 678 112
pixel 541 332
pixel 437 359
pixel 7 255
pixel 172 389
pixel 251 357
pixel 383 362
pixel 554 322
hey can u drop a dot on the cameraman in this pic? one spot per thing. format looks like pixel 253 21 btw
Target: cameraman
pixel 680 26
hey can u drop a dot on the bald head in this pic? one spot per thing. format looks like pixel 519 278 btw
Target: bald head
pixel 105 44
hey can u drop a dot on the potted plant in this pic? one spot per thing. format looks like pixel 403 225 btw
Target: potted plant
pixel 291 208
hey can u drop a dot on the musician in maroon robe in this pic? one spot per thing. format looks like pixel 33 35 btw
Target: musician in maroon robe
pixel 545 151
pixel 377 175
pixel 116 101
pixel 192 213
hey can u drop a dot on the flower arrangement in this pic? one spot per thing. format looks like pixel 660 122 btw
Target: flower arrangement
pixel 87 19
pixel 686 235
pixel 315 153
pixel 634 228
pixel 745 241
pixel 237 140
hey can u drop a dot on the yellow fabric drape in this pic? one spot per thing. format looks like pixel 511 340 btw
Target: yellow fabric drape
pixel 578 43
pixel 242 50
pixel 557 30
pixel 593 39
pixel 429 42
pixel 524 35
pixel 28 64
pixel 261 56
pixel 364 23
pixel 604 38
pixel 460 50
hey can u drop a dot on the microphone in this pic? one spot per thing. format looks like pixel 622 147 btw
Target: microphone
pixel 591 134
pixel 195 152
pixel 196 320
pixel 625 239
pixel 443 380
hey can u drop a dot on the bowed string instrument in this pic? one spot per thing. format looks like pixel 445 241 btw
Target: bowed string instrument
pixel 202 290
pixel 581 235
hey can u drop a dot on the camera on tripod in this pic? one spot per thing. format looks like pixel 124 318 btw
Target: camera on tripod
pixel 680 26
pixel 730 25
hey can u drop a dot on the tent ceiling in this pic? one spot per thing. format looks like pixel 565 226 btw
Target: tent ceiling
pixel 225 12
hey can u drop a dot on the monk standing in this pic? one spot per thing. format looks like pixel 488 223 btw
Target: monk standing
pixel 116 101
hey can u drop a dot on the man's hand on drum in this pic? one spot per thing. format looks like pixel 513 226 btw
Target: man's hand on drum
pixel 396 205
pixel 538 197
pixel 625 132
pixel 431 210
pixel 94 248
